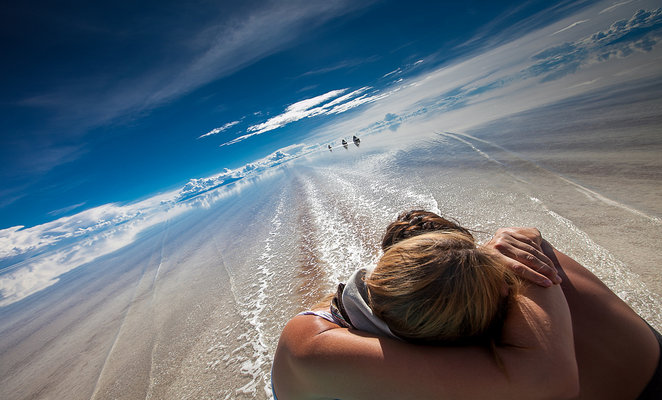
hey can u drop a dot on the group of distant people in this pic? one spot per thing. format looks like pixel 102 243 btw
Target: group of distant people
pixel 440 317
pixel 355 139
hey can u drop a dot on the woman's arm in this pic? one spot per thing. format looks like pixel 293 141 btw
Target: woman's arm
pixel 315 359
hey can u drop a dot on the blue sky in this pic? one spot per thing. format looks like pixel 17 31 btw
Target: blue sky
pixel 107 103
pixel 116 118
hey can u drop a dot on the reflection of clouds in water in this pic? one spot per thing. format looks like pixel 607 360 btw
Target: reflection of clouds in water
pixel 558 61
pixel 194 187
pixel 537 69
pixel 43 270
pixel 52 249
pixel 392 121
pixel 19 240
pixel 640 33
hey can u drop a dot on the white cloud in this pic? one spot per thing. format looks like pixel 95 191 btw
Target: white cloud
pixel 341 99
pixel 307 108
pixel 592 81
pixel 294 112
pixel 615 6
pixel 65 210
pixel 198 186
pixel 220 129
pixel 341 108
pixel 239 139
pixel 643 23
pixel 570 26
pixel 20 240
pixel 391 73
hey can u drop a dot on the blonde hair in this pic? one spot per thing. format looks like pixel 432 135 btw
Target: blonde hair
pixel 438 287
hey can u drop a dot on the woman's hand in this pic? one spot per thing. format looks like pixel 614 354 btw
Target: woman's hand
pixel 520 250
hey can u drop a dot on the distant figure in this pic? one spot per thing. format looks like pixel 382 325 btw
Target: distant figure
pixel 330 149
pixel 344 143
pixel 356 140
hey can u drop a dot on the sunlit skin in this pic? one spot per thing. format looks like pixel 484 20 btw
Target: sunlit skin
pixel 616 350
pixel 613 356
pixel 316 359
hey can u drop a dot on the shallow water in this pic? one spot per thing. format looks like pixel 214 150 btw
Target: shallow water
pixel 194 308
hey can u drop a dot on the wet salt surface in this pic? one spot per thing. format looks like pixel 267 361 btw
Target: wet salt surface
pixel 194 308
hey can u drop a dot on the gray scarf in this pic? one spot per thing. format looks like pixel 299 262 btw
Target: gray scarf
pixel 355 303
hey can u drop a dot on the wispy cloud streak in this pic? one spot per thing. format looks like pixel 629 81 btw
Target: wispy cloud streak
pixel 220 129
pixel 294 112
pixel 391 73
pixel 615 6
pixel 65 210
pixel 570 26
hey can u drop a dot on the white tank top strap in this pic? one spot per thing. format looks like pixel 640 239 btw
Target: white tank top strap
pixel 322 314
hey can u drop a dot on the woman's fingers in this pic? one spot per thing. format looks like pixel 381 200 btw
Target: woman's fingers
pixel 525 253
pixel 530 236
pixel 536 260
pixel 519 249
pixel 525 272
pixel 540 264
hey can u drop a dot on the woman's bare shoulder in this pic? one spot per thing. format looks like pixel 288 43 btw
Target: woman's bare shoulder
pixel 292 375
pixel 317 359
